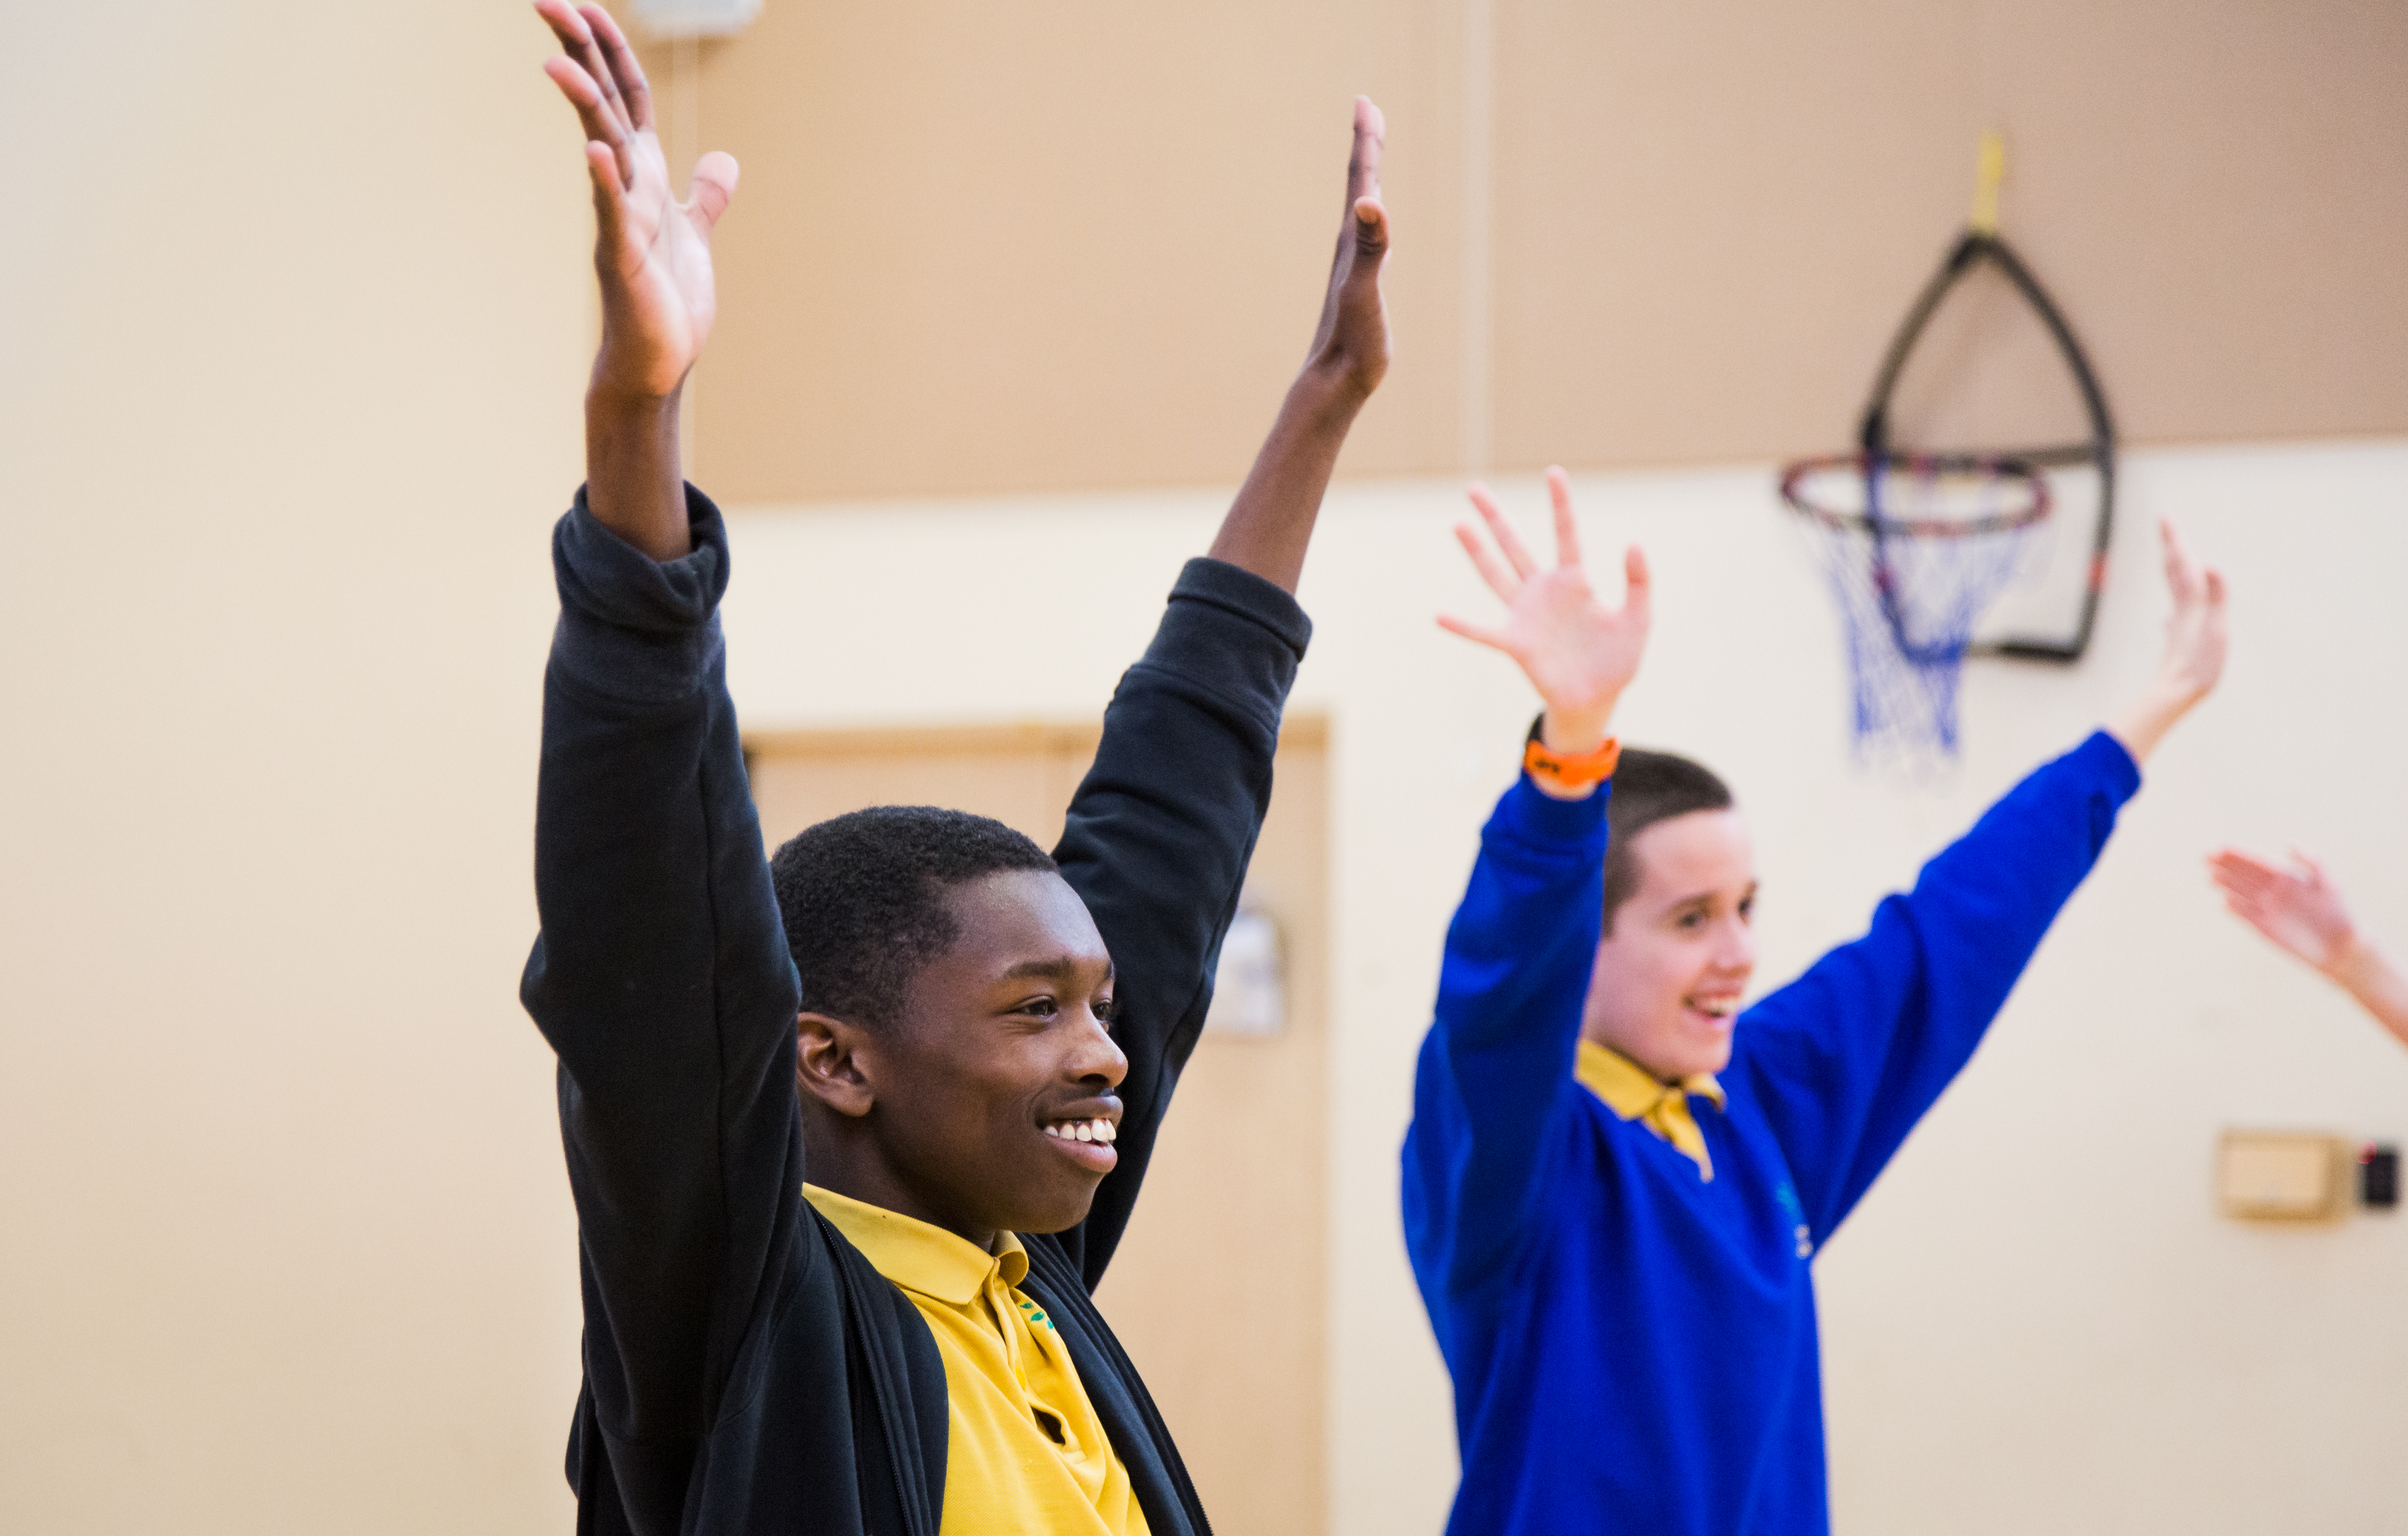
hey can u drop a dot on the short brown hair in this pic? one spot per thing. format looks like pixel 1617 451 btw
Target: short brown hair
pixel 1650 787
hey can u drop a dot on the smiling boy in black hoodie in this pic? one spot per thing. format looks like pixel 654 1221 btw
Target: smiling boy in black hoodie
pixel 962 1045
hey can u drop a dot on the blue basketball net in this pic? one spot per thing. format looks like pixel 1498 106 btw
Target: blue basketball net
pixel 1915 548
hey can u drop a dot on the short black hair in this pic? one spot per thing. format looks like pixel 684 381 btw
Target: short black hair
pixel 865 899
pixel 1650 787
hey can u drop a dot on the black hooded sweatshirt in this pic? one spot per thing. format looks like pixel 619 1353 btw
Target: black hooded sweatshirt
pixel 746 1368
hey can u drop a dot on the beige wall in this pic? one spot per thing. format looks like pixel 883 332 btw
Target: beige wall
pixel 986 250
pixel 294 300
pixel 2036 1321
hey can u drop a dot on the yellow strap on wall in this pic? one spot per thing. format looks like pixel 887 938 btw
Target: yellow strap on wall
pixel 1990 168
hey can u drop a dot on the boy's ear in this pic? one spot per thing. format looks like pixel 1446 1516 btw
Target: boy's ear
pixel 828 1065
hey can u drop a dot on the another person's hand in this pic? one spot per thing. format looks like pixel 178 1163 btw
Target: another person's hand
pixel 1578 650
pixel 2193 658
pixel 2300 910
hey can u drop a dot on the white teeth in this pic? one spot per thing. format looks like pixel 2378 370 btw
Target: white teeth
pixel 1098 1130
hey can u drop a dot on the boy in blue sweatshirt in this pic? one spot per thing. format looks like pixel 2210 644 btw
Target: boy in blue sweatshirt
pixel 1615 1179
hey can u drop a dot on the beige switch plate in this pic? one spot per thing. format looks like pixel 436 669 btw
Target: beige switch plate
pixel 2269 1175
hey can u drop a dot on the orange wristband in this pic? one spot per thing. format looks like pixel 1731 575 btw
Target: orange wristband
pixel 1570 773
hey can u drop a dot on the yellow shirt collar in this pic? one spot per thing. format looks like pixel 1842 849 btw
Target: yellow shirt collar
pixel 1633 1093
pixel 917 1255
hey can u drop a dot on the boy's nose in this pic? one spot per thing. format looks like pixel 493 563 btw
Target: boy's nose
pixel 1737 951
pixel 1099 1056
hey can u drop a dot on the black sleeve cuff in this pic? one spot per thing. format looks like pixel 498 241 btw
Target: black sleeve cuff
pixel 631 627
pixel 1232 633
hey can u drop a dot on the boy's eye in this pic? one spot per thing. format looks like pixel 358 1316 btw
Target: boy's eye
pixel 1043 1008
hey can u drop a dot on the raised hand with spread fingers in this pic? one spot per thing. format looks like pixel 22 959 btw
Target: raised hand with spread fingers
pixel 2300 910
pixel 1579 651
pixel 652 254
pixel 2193 658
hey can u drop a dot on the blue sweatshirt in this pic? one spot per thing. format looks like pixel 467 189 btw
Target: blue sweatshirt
pixel 1633 1347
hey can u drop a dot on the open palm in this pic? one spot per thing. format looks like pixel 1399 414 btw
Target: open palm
pixel 652 252
pixel 1578 650
pixel 2299 908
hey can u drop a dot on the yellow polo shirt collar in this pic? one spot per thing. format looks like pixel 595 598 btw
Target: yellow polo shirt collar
pixel 1633 1093
pixel 917 1255
pixel 1025 1452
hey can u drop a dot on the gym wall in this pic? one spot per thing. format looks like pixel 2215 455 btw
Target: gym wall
pixel 297 314
pixel 988 249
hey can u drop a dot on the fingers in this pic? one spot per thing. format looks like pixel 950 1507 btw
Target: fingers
pixel 574 28
pixel 610 195
pixel 2232 863
pixel 1502 531
pixel 2249 913
pixel 1476 634
pixel 1559 491
pixel 713 187
pixel 2234 883
pixel 1371 238
pixel 1363 160
pixel 2251 881
pixel 1491 570
pixel 1366 229
pixel 2182 572
pixel 626 74
pixel 1638 593
pixel 581 76
pixel 594 114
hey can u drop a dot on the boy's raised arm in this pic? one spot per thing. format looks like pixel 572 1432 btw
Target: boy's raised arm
pixel 1849 1057
pixel 661 976
pixel 1157 838
pixel 1496 1067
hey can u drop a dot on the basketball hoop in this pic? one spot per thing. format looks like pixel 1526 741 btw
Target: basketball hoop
pixel 1915 547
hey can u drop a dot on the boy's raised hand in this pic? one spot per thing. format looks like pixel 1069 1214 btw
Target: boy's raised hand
pixel 2196 637
pixel 2193 658
pixel 652 253
pixel 1578 650
pixel 1351 343
pixel 1269 525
